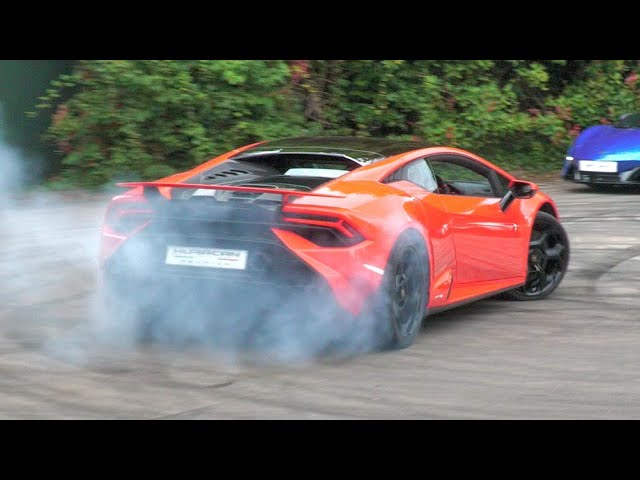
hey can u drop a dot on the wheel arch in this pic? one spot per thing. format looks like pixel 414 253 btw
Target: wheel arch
pixel 411 233
pixel 547 207
pixel 393 336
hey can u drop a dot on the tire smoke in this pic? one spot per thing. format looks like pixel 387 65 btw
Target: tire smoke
pixel 52 280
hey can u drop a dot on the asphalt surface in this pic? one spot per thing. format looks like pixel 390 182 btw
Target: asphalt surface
pixel 573 355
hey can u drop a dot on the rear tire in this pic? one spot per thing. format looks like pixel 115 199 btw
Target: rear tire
pixel 402 302
pixel 548 259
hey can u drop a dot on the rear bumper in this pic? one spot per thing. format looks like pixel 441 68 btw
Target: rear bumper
pixel 274 278
pixel 283 276
pixel 324 290
pixel 280 263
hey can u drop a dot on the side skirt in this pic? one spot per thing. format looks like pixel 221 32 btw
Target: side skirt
pixel 460 303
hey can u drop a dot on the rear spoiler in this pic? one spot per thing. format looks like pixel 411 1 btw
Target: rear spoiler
pixel 285 193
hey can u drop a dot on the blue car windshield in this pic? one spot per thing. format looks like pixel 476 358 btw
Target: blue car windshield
pixel 630 120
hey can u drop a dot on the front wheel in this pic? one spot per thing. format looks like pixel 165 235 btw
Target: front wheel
pixel 548 259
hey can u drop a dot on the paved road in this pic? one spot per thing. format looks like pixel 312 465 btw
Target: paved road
pixel 575 355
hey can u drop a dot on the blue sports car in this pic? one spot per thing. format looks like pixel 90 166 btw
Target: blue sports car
pixel 606 154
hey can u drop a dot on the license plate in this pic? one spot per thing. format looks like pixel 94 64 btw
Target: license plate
pixel 206 257
pixel 592 166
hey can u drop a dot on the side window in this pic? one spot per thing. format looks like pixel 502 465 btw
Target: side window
pixel 459 176
pixel 395 176
pixel 420 173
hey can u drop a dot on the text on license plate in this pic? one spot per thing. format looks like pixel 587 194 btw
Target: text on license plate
pixel 594 166
pixel 206 257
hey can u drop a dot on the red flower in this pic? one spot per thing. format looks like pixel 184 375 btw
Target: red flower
pixel 631 79
pixel 449 133
pixel 299 69
pixel 563 113
pixel 575 130
pixel 62 112
pixel 65 146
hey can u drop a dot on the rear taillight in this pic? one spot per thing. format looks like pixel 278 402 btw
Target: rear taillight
pixel 125 216
pixel 323 230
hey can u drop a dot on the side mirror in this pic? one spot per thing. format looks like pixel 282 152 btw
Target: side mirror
pixel 518 189
pixel 522 189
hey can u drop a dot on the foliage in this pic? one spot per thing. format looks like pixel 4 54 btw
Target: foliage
pixel 150 118
pixel 147 119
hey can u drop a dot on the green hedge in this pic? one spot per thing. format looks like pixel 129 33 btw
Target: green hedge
pixel 130 119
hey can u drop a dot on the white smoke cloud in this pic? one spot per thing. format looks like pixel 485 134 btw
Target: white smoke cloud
pixel 284 325
pixel 11 173
pixel 45 228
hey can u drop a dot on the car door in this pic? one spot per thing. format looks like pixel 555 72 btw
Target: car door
pixel 488 241
pixel 417 179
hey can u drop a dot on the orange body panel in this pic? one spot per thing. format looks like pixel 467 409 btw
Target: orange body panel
pixel 474 247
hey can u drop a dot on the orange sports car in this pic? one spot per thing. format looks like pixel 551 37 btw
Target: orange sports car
pixel 363 227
